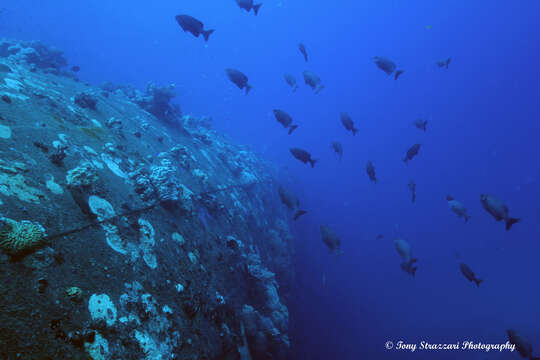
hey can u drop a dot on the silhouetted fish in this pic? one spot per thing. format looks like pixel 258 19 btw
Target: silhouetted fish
pixel 303 156
pixel 420 124
pixel 404 250
pixel 469 274
pixel 298 214
pixel 370 169
pixel 313 81
pixel 338 148
pixel 457 207
pixel 291 201
pixel 379 237
pixel 384 64
pixel 194 26
pixel 348 123
pixel 497 209
pixel 285 119
pixel 330 239
pixel 248 5
pixel 398 74
pixel 412 188
pixel 239 79
pixel 302 49
pixel 291 81
pixel 523 347
pixel 411 153
pixel 444 63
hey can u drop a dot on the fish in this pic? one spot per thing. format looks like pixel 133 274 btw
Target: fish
pixel 444 63
pixel 303 156
pixel 298 214
pixel 457 207
pixel 404 250
pixel 370 169
pixel 285 119
pixel 288 199
pixel 469 274
pixel 330 239
pixel 523 347
pixel 338 148
pixel 412 188
pixel 498 210
pixel 75 68
pixel 194 26
pixel 239 79
pixel 348 123
pixel 411 153
pixel 302 49
pixel 398 74
pixel 291 81
pixel 379 237
pixel 311 79
pixel 384 64
pixel 248 5
pixel 420 124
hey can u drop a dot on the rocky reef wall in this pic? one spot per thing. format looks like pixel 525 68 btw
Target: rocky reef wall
pixel 129 231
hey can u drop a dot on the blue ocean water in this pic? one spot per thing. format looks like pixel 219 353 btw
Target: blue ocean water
pixel 482 137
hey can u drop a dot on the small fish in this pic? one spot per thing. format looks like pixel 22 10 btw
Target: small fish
pixel 192 25
pixel 303 156
pixel 285 119
pixel 411 153
pixel 248 5
pixel 302 49
pixel 469 274
pixel 291 81
pixel 523 347
pixel 444 63
pixel 370 169
pixel 239 79
pixel 404 250
pixel 311 79
pixel 384 64
pixel 379 237
pixel 75 68
pixel 298 214
pixel 412 188
pixel 420 124
pixel 398 74
pixel 330 239
pixel 497 209
pixel 288 198
pixel 348 123
pixel 338 148
pixel 457 207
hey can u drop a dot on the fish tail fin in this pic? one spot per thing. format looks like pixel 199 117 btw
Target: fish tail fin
pixel 298 214
pixel 511 221
pixel 248 88
pixel 477 282
pixel 312 162
pixel 447 62
pixel 207 34
pixel 467 217
pixel 405 160
pixel 375 180
pixel 425 125
pixel 294 88
pixel 413 271
pixel 256 9
pixel 292 128
pixel 354 131
pixel 319 88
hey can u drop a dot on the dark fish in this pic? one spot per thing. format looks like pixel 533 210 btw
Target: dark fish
pixel 338 148
pixel 412 152
pixel 379 236
pixel 348 123
pixel 443 63
pixel 370 169
pixel 75 68
pixel 404 250
pixel 285 119
pixel 384 64
pixel 248 5
pixel 412 188
pixel 398 74
pixel 303 156
pixel 313 81
pixel 288 199
pixel 330 239
pixel 457 207
pixel 420 124
pixel 497 209
pixel 298 214
pixel 523 347
pixel 302 49
pixel 469 274
pixel 194 26
pixel 291 81
pixel 239 79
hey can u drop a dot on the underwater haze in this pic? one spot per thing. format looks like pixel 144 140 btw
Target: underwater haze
pixel 482 137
